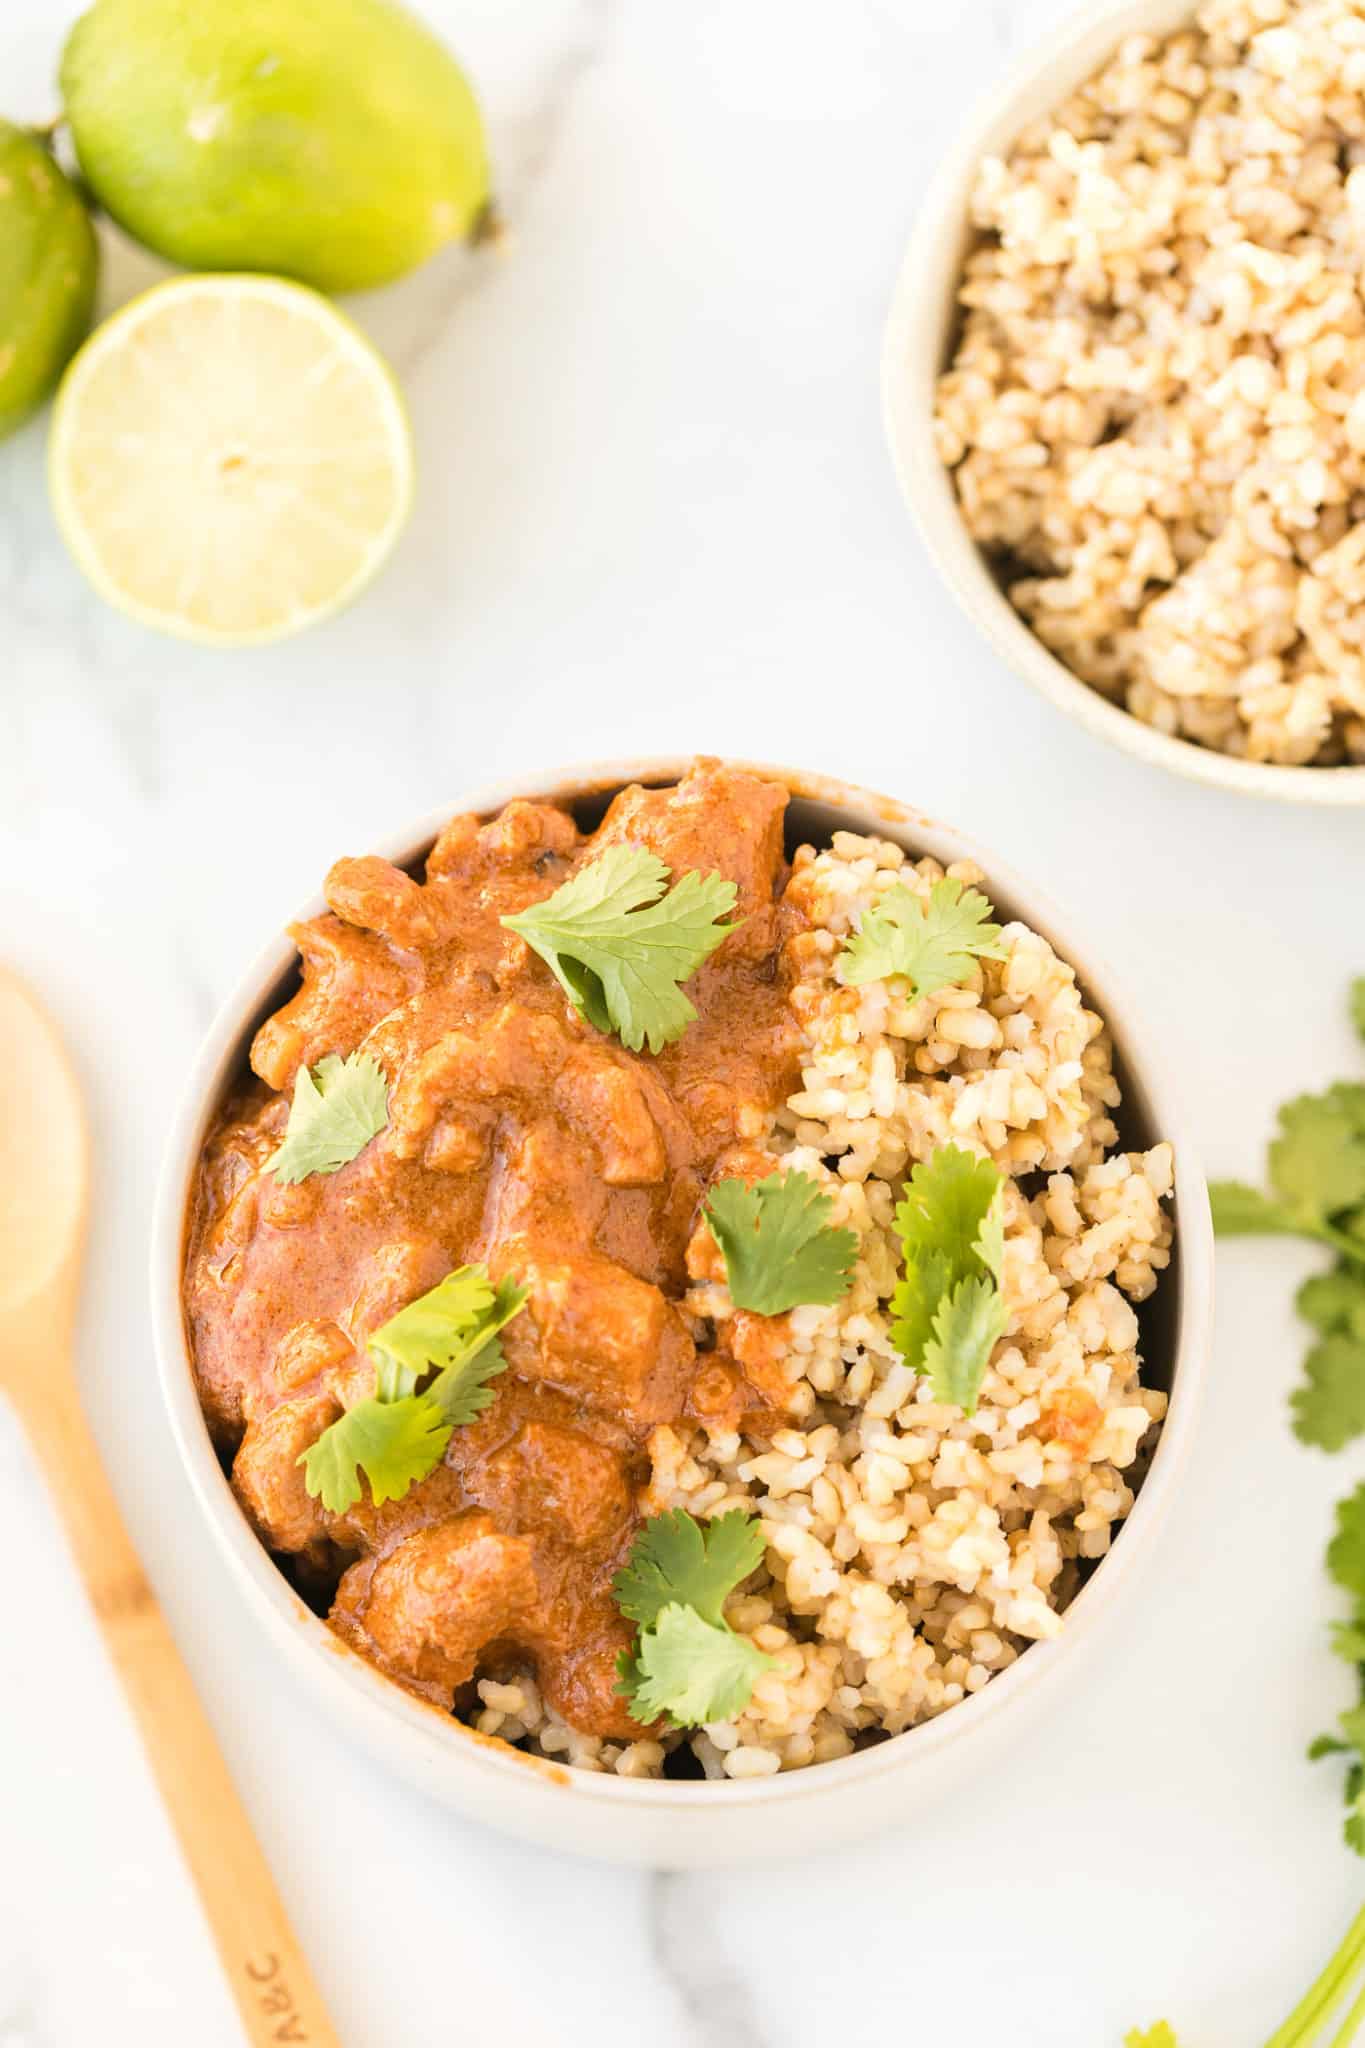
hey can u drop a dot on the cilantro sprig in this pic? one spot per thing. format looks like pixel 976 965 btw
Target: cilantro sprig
pixel 688 1666
pixel 1316 1168
pixel 932 942
pixel 433 1362
pixel 1318 1192
pixel 620 948
pixel 947 1311
pixel 337 1107
pixel 779 1247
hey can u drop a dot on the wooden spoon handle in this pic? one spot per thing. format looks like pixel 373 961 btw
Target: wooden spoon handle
pixel 270 1980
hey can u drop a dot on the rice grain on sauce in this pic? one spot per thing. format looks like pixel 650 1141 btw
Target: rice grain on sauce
pixel 911 1551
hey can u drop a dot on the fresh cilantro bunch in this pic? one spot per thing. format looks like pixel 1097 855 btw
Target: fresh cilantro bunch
pixel 620 948
pixel 948 1312
pixel 688 1667
pixel 779 1247
pixel 932 942
pixel 399 1433
pixel 1317 1179
pixel 338 1106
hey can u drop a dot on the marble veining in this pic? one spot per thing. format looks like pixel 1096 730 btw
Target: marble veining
pixel 688 1944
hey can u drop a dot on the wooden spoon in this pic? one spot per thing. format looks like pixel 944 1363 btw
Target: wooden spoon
pixel 44 1178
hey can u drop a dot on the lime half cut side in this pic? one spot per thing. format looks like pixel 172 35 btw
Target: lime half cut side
pixel 230 458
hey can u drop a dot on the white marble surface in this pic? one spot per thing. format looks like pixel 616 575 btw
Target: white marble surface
pixel 656 513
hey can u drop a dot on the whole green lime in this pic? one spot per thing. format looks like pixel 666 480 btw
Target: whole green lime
pixel 49 262
pixel 334 141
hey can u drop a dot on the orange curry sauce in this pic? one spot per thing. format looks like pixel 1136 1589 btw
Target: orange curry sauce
pixel 520 1136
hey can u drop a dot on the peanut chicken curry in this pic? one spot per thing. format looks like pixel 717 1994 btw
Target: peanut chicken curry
pixel 514 1138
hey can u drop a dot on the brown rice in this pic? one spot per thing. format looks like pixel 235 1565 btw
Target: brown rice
pixel 1155 417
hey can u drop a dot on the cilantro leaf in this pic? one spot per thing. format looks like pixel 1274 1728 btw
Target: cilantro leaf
pixel 461 1390
pixel 1317 1173
pixel 1329 1406
pixel 1353 1828
pixel 926 1282
pixel 399 1433
pixel 1242 1211
pixel 967 1326
pixel 619 952
pixel 990 1241
pixel 1353 1728
pixel 688 1671
pixel 1346 1551
pixel 931 943
pixel 1348 1640
pixel 1346 1565
pixel 1357 1003
pixel 1334 1302
pixel 338 1106
pixel 444 1328
pixel 945 1207
pixel 1347 1100
pixel 779 1247
pixel 394 1443
pixel 676 1559
pixel 950 1221
pixel 1317 1163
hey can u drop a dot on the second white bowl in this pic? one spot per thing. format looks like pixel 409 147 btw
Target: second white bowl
pixel 919 337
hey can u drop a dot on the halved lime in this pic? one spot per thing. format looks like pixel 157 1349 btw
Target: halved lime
pixel 230 458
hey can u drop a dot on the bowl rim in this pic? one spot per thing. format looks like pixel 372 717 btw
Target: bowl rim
pixel 434 1742
pixel 920 310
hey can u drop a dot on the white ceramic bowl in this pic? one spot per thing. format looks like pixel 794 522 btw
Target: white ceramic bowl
pixel 920 332
pixel 687 1824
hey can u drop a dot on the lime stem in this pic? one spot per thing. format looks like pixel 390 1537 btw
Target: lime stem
pixel 489 226
pixel 1323 1994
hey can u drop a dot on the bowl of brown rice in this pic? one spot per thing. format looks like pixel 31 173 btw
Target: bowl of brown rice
pixel 1124 384
pixel 922 1565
